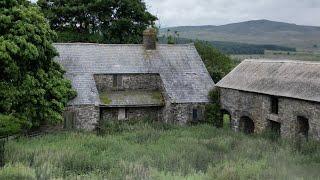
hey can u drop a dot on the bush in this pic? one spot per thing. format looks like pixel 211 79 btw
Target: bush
pixel 213 113
pixel 9 125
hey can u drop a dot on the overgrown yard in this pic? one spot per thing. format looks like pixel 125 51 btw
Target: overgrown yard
pixel 157 151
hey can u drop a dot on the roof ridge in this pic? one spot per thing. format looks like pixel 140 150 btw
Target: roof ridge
pixel 99 44
pixel 281 61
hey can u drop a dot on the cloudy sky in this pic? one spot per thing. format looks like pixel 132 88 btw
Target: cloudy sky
pixel 218 12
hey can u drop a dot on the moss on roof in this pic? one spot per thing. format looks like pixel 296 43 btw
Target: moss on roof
pixel 104 98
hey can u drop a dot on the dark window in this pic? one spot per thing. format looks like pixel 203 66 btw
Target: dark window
pixel 274 105
pixel 126 113
pixel 275 127
pixel 194 114
pixel 303 126
pixel 115 81
pixel 246 125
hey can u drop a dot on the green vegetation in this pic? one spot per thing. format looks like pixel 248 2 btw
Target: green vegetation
pixel 217 64
pixel 157 95
pixel 33 90
pixel 105 98
pixel 213 113
pixel 242 48
pixel 299 55
pixel 155 151
pixel 103 21
pixel 230 47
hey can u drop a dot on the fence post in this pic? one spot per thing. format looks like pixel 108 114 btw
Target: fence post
pixel 2 146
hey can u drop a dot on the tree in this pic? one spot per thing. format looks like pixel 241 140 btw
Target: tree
pixel 107 21
pixel 33 90
pixel 216 63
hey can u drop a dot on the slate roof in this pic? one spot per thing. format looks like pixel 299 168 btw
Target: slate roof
pixel 181 69
pixel 284 78
pixel 131 98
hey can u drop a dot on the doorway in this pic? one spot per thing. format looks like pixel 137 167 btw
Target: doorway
pixel 275 128
pixel 226 119
pixel 246 125
pixel 303 126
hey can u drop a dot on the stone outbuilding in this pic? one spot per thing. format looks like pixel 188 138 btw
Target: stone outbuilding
pixel 281 96
pixel 166 83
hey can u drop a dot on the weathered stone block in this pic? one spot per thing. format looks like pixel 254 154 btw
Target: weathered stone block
pixel 257 107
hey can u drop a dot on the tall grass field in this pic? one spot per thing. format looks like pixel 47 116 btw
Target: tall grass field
pixel 157 151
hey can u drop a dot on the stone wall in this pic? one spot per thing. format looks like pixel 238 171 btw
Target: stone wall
pixel 85 117
pixel 154 113
pixel 105 82
pixel 183 113
pixel 290 109
pixel 173 113
pixel 258 108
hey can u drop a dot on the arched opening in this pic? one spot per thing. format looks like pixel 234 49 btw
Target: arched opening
pixel 246 125
pixel 303 126
pixel 226 119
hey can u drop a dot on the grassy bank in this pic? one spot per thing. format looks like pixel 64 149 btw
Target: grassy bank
pixel 156 151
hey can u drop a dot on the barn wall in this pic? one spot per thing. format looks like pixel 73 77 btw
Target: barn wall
pixel 258 108
pixel 290 109
pixel 240 104
pixel 154 113
pixel 183 113
pixel 86 117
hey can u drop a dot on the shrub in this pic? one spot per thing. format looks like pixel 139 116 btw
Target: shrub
pixel 9 125
pixel 213 113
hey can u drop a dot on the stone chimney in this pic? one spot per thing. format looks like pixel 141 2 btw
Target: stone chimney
pixel 150 39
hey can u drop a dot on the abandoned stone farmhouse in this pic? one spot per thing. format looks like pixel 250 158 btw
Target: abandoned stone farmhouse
pixel 281 96
pixel 166 83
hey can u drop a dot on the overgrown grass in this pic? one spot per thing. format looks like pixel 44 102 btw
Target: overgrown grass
pixel 155 151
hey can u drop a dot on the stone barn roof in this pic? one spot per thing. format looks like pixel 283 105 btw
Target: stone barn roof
pixel 293 79
pixel 180 67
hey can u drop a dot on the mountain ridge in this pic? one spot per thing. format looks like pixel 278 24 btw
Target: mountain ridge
pixel 258 20
pixel 255 32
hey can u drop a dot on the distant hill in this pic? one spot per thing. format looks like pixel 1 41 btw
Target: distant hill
pixel 253 32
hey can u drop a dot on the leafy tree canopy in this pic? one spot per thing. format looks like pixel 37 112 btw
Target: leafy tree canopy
pixel 217 63
pixel 106 21
pixel 32 88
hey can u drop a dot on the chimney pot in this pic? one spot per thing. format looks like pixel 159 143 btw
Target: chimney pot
pixel 150 39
